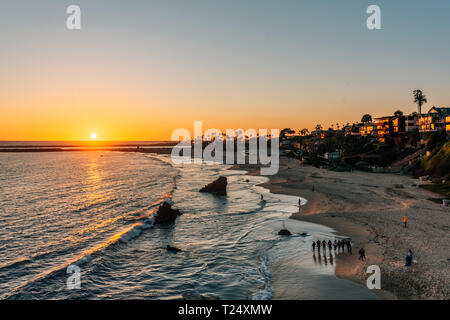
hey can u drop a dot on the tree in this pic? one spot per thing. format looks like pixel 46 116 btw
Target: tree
pixel 366 118
pixel 420 99
pixel 398 113
pixel 284 132
pixel 304 132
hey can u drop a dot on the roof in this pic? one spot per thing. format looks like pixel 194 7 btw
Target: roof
pixel 441 110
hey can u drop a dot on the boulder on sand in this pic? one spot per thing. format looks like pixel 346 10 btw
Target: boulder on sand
pixel 218 187
pixel 284 232
pixel 166 215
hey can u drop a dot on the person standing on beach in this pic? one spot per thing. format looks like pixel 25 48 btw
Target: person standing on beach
pixel 329 245
pixel 343 245
pixel 335 244
pixel 408 259
pixel 324 245
pixel 339 245
pixel 318 245
pixel 362 254
pixel 405 221
pixel 313 246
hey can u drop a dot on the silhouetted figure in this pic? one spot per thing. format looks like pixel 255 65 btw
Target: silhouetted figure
pixel 299 202
pixel 329 245
pixel 313 246
pixel 362 254
pixel 339 245
pixel 318 245
pixel 324 245
pixel 408 259
pixel 343 245
pixel 335 244
pixel 349 247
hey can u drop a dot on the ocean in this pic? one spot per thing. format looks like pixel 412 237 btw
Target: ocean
pixel 95 210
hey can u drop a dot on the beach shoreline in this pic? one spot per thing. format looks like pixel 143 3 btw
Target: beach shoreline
pixel 369 208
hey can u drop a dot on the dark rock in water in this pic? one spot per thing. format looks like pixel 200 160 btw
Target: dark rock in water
pixel 303 234
pixel 218 187
pixel 284 232
pixel 173 249
pixel 166 215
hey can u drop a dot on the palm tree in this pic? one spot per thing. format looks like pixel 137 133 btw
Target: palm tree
pixel 366 118
pixel 420 99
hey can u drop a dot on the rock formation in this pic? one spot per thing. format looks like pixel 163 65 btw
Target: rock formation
pixel 217 187
pixel 284 232
pixel 172 249
pixel 166 215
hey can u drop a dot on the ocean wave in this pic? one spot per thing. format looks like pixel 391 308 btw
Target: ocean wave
pixel 266 292
pixel 144 222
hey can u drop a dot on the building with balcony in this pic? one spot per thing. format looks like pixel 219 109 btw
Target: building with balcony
pixel 383 128
pixel 411 122
pixel 434 120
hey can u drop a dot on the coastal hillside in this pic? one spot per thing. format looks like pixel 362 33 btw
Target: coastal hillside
pixel 437 164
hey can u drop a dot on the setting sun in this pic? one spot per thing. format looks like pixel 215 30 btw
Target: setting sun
pixel 93 136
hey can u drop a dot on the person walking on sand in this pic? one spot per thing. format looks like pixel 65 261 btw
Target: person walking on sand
pixel 405 221
pixel 343 245
pixel 362 254
pixel 329 245
pixel 335 244
pixel 313 246
pixel 324 245
pixel 339 245
pixel 318 245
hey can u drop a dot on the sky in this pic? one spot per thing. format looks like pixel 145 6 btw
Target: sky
pixel 137 70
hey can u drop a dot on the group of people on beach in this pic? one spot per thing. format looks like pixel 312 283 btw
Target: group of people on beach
pixel 337 245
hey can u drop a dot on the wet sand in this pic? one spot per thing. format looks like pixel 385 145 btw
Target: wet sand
pixel 369 208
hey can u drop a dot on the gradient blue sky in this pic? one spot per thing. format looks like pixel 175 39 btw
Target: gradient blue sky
pixel 140 69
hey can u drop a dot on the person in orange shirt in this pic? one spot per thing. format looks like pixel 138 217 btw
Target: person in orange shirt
pixel 405 220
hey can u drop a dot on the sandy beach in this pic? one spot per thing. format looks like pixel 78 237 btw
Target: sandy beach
pixel 369 208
